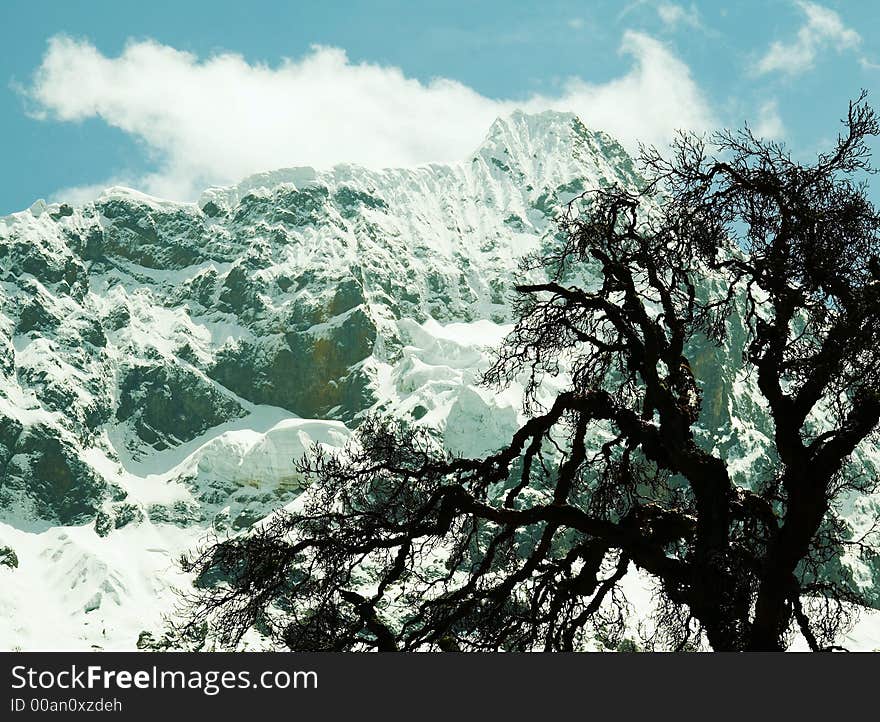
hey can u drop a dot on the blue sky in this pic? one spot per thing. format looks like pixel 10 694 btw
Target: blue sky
pixel 171 97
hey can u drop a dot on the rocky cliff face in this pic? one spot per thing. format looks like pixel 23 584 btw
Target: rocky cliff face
pixel 162 364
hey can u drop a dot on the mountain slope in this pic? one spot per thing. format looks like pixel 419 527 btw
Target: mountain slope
pixel 162 364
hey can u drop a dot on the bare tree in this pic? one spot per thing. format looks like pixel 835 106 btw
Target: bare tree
pixel 404 547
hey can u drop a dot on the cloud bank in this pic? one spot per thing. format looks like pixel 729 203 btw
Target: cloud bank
pixel 216 120
pixel 822 29
pixel 673 16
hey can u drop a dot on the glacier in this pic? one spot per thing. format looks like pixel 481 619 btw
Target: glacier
pixel 162 364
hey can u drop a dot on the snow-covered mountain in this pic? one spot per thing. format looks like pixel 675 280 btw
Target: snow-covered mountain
pixel 162 364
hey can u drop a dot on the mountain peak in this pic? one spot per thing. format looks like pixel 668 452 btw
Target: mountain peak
pixel 539 123
pixel 519 132
pixel 554 145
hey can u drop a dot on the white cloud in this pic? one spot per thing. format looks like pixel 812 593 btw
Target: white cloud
pixel 769 125
pixel 576 23
pixel 822 29
pixel 674 16
pixel 84 193
pixel 219 119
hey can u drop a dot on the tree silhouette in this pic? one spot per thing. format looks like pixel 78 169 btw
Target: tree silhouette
pixel 401 546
